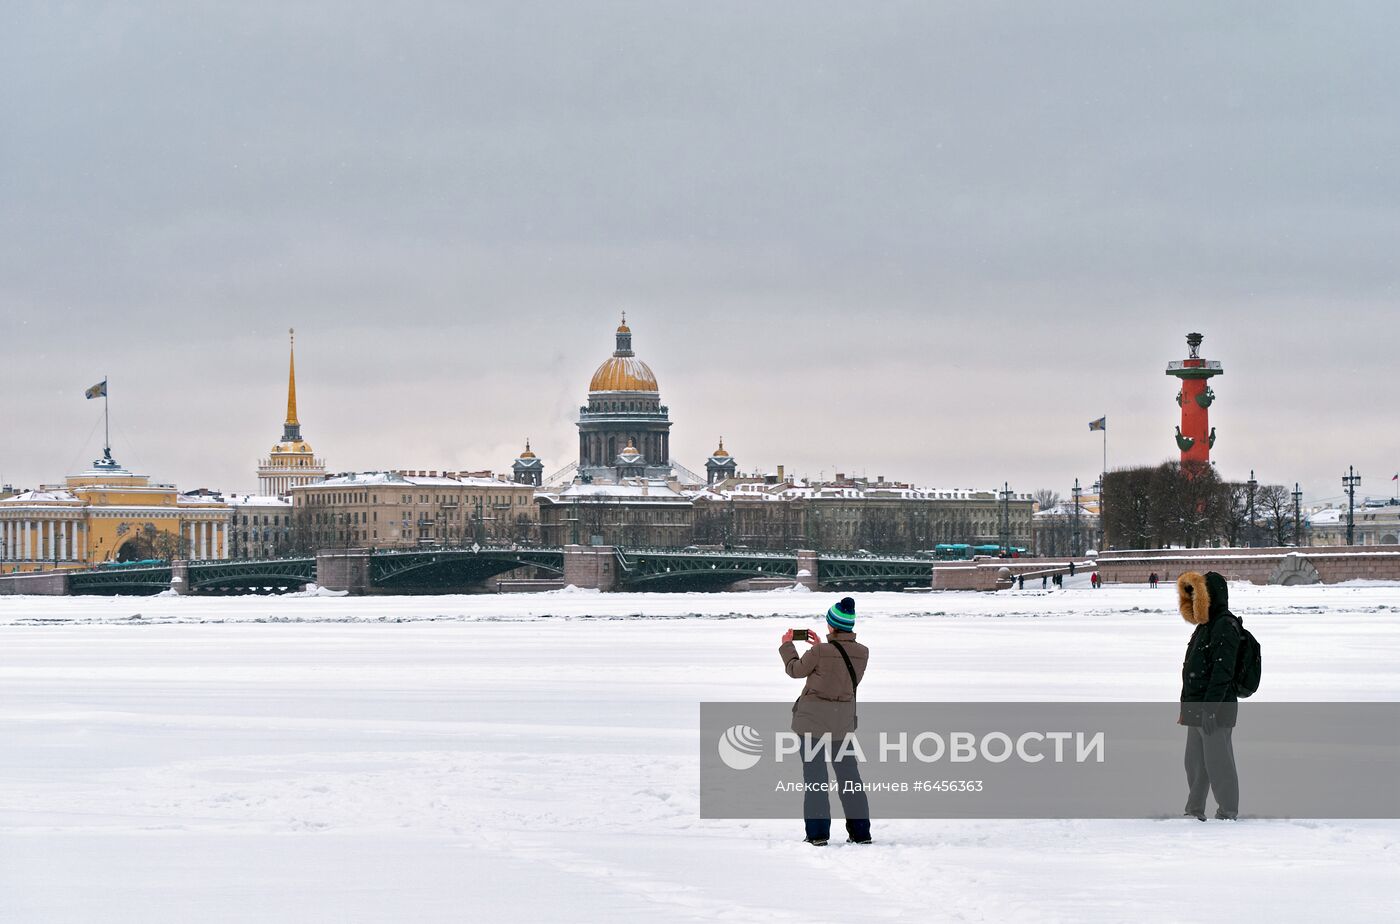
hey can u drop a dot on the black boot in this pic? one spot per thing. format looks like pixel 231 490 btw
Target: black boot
pixel 821 841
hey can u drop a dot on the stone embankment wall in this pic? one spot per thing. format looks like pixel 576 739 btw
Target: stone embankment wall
pixel 996 573
pixel 1325 565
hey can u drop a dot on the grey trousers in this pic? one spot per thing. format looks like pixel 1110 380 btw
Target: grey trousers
pixel 1210 767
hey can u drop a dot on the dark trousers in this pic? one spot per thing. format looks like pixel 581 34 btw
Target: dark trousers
pixel 1210 768
pixel 816 806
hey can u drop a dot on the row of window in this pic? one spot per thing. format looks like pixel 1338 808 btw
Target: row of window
pixel 330 498
pixel 345 498
pixel 613 407
pixel 355 516
pixel 254 520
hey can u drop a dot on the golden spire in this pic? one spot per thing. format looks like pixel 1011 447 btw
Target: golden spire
pixel 292 381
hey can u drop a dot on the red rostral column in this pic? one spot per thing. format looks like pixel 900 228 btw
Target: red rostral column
pixel 1195 436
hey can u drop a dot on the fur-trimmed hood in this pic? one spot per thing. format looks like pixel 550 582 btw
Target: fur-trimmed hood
pixel 1201 596
pixel 1193 598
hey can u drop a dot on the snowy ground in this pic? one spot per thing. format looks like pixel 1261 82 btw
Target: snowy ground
pixel 533 758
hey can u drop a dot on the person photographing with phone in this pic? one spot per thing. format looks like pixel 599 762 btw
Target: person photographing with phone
pixel 833 670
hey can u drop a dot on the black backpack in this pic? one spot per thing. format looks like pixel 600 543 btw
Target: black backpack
pixel 1249 663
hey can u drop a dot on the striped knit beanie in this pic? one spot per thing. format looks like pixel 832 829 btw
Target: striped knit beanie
pixel 842 616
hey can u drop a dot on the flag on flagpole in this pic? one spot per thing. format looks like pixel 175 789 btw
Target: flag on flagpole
pixel 97 391
pixel 1395 477
pixel 1100 424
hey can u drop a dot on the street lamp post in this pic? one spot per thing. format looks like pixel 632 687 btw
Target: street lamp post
pixel 1074 548
pixel 1252 485
pixel 1102 535
pixel 1349 481
pixel 1005 519
pixel 1297 515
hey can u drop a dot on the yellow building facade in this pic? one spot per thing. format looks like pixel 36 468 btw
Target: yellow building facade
pixel 108 514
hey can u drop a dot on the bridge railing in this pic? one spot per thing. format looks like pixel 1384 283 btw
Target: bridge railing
pixel 426 550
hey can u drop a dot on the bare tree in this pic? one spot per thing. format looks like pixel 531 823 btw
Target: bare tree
pixel 1128 509
pixel 525 528
pixel 877 529
pixel 1234 512
pixel 301 537
pixel 1173 503
pixel 1047 498
pixel 169 546
pixel 1273 505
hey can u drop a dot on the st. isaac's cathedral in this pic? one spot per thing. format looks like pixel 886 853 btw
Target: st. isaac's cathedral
pixel 624 431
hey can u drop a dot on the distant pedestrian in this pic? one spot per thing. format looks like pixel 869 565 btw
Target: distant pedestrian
pixel 1020 582
pixel 1071 569
pixel 1152 580
pixel 1043 578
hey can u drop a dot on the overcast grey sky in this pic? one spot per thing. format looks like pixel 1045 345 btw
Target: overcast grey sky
pixel 929 241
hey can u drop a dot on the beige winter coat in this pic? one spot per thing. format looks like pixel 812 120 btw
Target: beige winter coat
pixel 827 703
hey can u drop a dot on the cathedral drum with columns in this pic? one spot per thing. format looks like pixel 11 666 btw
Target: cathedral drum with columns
pixel 624 423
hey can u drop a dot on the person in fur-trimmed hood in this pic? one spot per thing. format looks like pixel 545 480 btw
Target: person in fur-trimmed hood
pixel 1209 703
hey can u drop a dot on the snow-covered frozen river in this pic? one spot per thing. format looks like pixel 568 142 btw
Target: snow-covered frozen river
pixel 533 758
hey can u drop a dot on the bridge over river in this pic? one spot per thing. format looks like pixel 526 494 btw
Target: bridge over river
pixel 476 568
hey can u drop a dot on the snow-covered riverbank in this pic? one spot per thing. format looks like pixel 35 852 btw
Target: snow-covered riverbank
pixel 533 758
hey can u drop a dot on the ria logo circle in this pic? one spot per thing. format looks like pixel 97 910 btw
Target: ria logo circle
pixel 740 747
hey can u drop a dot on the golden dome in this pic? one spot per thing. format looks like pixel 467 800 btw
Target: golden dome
pixel 721 452
pixel 528 453
pixel 623 373
pixel 299 446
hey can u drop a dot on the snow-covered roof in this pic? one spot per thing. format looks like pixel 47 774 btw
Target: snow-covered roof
pixel 1067 510
pixel 372 479
pixel 784 491
pixel 199 500
pixel 41 497
pixel 648 490
pixel 257 500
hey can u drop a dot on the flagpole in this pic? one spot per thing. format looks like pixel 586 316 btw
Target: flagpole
pixel 1105 451
pixel 106 421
